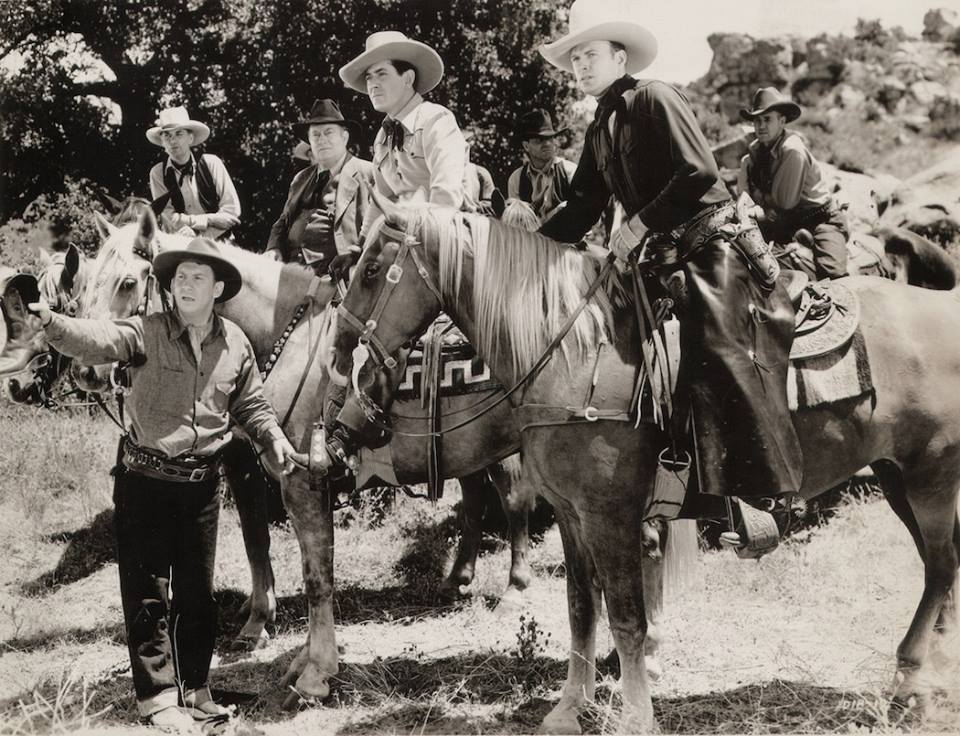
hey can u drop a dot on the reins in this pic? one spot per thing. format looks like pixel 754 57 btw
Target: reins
pixel 381 356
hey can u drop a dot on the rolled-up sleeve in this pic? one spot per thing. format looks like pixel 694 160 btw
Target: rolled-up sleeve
pixel 444 148
pixel 248 405
pixel 96 341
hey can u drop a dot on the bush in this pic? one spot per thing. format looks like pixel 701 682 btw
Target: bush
pixel 69 212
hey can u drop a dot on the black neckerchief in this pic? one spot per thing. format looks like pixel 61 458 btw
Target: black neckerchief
pixel 611 101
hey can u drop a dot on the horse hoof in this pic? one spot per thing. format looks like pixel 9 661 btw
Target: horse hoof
pixel 511 603
pixel 313 683
pixel 247 643
pixel 565 724
pixel 450 592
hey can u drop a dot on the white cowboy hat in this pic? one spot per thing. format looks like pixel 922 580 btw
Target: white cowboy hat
pixel 394 46
pixel 605 20
pixel 175 118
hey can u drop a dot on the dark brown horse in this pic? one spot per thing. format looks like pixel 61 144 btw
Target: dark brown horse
pixel 511 292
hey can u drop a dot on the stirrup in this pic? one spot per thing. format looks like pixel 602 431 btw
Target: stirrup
pixel 756 534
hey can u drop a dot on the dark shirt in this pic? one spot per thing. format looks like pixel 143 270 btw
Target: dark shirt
pixel 657 163
pixel 176 406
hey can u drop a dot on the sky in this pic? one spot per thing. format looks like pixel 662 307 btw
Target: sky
pixel 682 26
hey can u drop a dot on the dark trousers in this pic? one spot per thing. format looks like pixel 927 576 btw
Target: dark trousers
pixel 830 235
pixel 167 535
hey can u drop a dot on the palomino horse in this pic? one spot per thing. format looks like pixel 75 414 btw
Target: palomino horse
pixel 598 474
pixel 264 308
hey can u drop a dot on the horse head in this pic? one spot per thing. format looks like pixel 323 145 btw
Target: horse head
pixel 391 296
pixel 119 283
pixel 23 345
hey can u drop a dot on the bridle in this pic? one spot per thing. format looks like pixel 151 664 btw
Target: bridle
pixel 380 356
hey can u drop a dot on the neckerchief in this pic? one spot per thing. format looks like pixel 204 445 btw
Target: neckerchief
pixel 395 133
pixel 760 175
pixel 174 175
pixel 611 102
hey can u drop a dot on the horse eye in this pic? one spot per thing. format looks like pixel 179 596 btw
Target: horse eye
pixel 371 270
pixel 128 284
pixel 71 309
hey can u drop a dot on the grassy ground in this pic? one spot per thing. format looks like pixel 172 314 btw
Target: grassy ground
pixel 802 641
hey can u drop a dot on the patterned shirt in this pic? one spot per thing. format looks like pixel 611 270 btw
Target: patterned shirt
pixel 176 405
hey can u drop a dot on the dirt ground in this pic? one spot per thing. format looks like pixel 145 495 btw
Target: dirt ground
pixel 802 641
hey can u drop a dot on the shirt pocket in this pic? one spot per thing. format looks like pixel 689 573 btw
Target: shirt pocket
pixel 221 394
pixel 414 144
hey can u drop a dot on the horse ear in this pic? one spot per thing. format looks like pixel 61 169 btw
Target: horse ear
pixel 498 203
pixel 393 215
pixel 104 226
pixel 146 234
pixel 72 260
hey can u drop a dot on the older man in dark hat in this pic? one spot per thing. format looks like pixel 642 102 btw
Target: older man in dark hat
pixel 781 176
pixel 323 214
pixel 194 191
pixel 544 180
pixel 191 371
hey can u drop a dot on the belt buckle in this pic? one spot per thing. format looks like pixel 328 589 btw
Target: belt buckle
pixel 198 474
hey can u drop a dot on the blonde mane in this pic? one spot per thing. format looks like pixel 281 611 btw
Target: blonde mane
pixel 525 286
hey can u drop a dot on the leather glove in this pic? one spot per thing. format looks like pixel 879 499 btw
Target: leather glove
pixel 339 268
pixel 627 237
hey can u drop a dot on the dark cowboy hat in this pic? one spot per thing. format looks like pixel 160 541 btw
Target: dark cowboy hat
pixel 201 250
pixel 537 124
pixel 767 99
pixel 322 113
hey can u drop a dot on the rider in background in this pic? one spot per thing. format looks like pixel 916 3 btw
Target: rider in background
pixel 783 178
pixel 197 190
pixel 544 180
pixel 478 186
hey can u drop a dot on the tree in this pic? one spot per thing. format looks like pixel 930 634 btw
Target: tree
pixel 248 68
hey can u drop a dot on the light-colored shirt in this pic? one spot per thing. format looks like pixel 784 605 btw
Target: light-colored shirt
pixel 797 181
pixel 177 405
pixel 430 168
pixel 544 198
pixel 209 225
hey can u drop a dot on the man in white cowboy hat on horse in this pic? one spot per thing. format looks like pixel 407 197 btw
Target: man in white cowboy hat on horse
pixel 544 180
pixel 191 371
pixel 645 148
pixel 197 190
pixel 323 214
pixel 419 152
pixel 783 178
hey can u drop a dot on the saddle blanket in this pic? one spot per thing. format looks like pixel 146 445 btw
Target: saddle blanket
pixel 843 373
pixel 461 372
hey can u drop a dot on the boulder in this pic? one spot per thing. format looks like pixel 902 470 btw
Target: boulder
pixel 925 93
pixel 940 24
pixel 741 64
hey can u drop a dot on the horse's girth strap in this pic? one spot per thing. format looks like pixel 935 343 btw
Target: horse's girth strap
pixel 546 415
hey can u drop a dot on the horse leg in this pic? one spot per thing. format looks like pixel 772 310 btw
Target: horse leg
pixel 935 513
pixel 517 502
pixel 473 488
pixel 244 478
pixel 311 513
pixel 583 601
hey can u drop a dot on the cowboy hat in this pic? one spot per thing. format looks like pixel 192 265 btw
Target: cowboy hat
pixel 537 123
pixel 201 250
pixel 604 20
pixel 325 112
pixel 175 118
pixel 394 46
pixel 766 99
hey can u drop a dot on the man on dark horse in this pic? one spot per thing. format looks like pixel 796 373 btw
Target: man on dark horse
pixel 783 178
pixel 323 214
pixel 196 191
pixel 544 179
pixel 645 148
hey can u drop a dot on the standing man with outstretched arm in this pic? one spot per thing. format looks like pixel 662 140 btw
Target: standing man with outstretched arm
pixel 645 148
pixel 191 371
pixel 419 154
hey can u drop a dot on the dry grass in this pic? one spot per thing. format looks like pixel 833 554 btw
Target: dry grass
pixel 802 641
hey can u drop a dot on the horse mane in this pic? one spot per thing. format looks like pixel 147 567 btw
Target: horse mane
pixel 524 285
pixel 518 213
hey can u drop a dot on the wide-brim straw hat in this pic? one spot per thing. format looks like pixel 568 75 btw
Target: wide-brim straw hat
pixel 202 250
pixel 605 20
pixel 394 46
pixel 325 112
pixel 175 118
pixel 766 99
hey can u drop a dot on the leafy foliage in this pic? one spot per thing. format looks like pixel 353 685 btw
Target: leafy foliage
pixel 248 68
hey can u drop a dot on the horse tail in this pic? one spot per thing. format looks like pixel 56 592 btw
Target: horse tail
pixel 681 558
